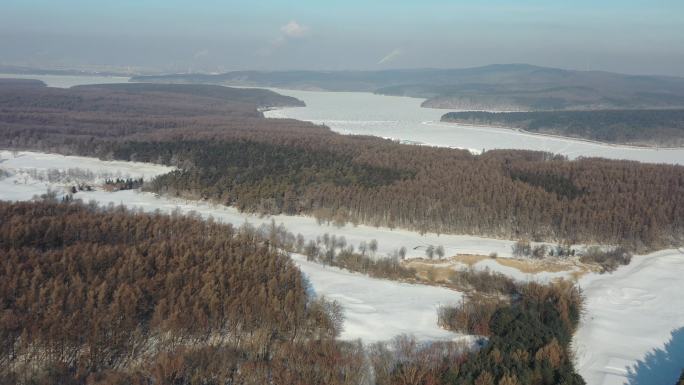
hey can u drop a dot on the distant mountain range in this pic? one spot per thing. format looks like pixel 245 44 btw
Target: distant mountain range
pixel 20 70
pixel 505 87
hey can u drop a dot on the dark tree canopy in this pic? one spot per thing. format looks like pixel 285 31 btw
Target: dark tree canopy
pixel 641 127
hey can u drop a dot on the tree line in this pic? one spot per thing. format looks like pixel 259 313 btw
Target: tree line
pixel 662 127
pixel 529 332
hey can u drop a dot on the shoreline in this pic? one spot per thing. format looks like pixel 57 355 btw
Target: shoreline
pixel 555 136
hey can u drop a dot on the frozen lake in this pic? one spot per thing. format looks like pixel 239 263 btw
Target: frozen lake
pixel 404 119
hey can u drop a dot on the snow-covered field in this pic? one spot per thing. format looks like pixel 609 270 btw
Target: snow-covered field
pixel 633 329
pixel 378 309
pixel 41 161
pixel 403 119
pixel 32 173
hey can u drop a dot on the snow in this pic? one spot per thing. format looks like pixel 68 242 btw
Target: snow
pixel 377 309
pixel 32 173
pixel 403 119
pixel 630 317
pixel 42 161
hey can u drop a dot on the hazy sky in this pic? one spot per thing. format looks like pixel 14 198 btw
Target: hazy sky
pixel 211 35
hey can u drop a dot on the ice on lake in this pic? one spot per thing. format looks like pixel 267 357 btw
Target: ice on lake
pixel 403 119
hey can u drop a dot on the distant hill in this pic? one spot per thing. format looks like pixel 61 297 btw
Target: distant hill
pixel 262 98
pixel 20 70
pixel 503 87
pixel 21 83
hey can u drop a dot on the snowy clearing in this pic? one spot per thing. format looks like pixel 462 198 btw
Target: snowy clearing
pixel 41 161
pixel 630 317
pixel 378 309
pixel 32 173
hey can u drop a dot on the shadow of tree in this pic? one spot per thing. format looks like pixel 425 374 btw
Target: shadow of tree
pixel 660 366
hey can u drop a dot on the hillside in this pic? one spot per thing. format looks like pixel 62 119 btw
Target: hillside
pixel 258 97
pixel 635 127
pixel 509 87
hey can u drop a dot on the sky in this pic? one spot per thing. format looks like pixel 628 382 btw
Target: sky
pixel 629 36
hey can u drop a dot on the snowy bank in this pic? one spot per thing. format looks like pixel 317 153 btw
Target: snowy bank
pixel 630 316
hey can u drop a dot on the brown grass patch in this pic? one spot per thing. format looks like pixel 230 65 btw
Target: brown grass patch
pixel 534 266
pixel 468 259
pixel 439 271
pixel 530 266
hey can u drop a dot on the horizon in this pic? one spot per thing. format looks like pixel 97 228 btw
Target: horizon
pixel 632 37
pixel 389 69
pixel 113 72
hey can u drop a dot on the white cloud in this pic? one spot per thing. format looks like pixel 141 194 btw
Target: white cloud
pixel 391 56
pixel 294 30
pixel 290 31
pixel 201 53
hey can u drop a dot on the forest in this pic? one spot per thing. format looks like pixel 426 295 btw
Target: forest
pixel 94 295
pixel 86 292
pixel 227 152
pixel 531 332
pixel 636 127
